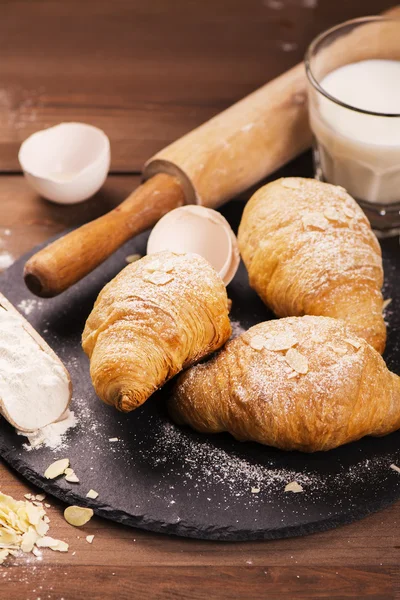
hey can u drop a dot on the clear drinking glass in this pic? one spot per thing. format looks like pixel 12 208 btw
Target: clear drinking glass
pixel 356 148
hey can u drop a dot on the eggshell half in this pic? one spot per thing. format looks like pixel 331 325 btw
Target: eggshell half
pixel 67 163
pixel 199 230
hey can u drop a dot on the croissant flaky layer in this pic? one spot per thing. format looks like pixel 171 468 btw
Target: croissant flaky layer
pixel 310 250
pixel 300 383
pixel 158 316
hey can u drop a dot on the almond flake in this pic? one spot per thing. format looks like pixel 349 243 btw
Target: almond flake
pixel 386 303
pixel 153 266
pixel 3 555
pixel 348 212
pixel 69 471
pixel 255 490
pixel 33 513
pixel 292 375
pixel 159 278
pixel 72 478
pixel 36 552
pixel 47 505
pixel 49 542
pixel 57 468
pixel 315 220
pixel 395 468
pixel 28 496
pixel 355 343
pixel 168 266
pixel 339 350
pixel 297 361
pixel 113 439
pixel 280 342
pixel 291 183
pixel 29 539
pixel 89 538
pixel 332 214
pixel 46 519
pixel 294 487
pixel 257 342
pixel 40 497
pixel 92 494
pixel 77 515
pixel 132 258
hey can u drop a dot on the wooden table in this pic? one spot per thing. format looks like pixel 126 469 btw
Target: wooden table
pixel 146 72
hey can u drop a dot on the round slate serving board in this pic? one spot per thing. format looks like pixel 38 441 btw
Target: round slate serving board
pixel 166 479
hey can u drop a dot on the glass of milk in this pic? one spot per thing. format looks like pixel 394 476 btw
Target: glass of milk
pixel 354 105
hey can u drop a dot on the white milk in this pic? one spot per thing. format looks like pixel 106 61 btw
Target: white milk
pixel 360 151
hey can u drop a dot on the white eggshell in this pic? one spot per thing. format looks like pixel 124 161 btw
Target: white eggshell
pixel 199 230
pixel 67 163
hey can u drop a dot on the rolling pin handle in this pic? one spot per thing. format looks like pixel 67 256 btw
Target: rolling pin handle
pixel 67 260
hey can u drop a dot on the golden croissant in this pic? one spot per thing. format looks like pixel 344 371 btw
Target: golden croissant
pixel 310 250
pixel 300 383
pixel 155 318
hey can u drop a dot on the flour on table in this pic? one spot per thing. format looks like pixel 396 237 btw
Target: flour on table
pixel 6 260
pixel 29 305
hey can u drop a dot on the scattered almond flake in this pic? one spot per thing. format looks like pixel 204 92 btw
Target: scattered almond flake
pixel 29 539
pixel 168 266
pixel 292 375
pixel 92 494
pixel 348 212
pixel 36 552
pixel 294 487
pixel 332 214
pixel 297 361
pixel 77 515
pixel 255 490
pixel 33 513
pixel 291 183
pixel 153 266
pixel 72 478
pixel 386 303
pixel 37 503
pixel 89 538
pixel 47 505
pixel 46 519
pixel 69 471
pixel 338 350
pixel 28 496
pixel 355 343
pixel 40 497
pixel 159 278
pixel 131 258
pixel 395 468
pixel 280 342
pixel 257 342
pixel 42 527
pixel 315 220
pixel 53 544
pixel 57 468
pixel 3 555
pixel 113 439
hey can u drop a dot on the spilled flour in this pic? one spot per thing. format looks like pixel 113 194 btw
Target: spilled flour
pixel 52 436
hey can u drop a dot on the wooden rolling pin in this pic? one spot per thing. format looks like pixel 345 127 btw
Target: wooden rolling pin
pixel 209 166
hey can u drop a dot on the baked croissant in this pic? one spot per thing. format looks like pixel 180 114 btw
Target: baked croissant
pixel 156 317
pixel 310 250
pixel 301 383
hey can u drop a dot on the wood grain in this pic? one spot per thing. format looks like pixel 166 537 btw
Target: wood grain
pixel 145 72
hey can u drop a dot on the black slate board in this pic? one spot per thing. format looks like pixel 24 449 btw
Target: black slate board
pixel 172 480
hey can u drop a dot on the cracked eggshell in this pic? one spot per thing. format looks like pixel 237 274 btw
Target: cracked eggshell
pixel 67 163
pixel 199 230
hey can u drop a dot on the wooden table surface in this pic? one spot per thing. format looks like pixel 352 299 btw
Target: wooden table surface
pixel 146 72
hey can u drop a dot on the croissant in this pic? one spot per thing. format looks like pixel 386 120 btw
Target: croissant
pixel 300 383
pixel 310 250
pixel 155 318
